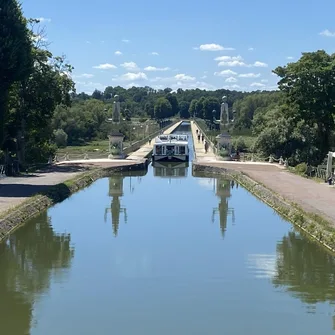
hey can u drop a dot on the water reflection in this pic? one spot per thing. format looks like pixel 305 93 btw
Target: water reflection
pixel 116 192
pixel 222 189
pixel 305 270
pixel 27 268
pixel 170 169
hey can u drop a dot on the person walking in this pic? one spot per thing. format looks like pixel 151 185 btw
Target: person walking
pixel 206 146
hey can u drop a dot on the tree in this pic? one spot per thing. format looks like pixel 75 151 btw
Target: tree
pixel 184 110
pixel 97 95
pixel 15 53
pixel 162 108
pixel 210 104
pixel 309 84
pixel 174 103
pixel 192 109
pixel 60 138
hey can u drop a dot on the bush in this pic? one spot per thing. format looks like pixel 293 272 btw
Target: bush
pixel 60 138
pixel 301 168
pixel 239 144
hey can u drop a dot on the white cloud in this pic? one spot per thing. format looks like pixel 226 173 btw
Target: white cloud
pixel 251 49
pixel 88 42
pixel 233 61
pixel 264 81
pixel 125 41
pixel 257 85
pixel 327 33
pixel 230 61
pixel 225 73
pixel 289 57
pixel 118 53
pixel 231 80
pixel 259 64
pixel 130 76
pixel 249 75
pixel 154 68
pixel 154 53
pixel 184 77
pixel 43 19
pixel 212 47
pixel 130 66
pixel 105 66
pixel 204 77
pixel 84 75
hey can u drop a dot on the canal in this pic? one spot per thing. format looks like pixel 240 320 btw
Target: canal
pixel 164 252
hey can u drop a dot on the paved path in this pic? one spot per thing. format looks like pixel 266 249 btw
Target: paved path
pixel 311 196
pixel 145 150
pixel 14 190
pixel 199 149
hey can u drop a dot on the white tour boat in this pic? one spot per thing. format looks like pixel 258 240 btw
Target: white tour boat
pixel 171 148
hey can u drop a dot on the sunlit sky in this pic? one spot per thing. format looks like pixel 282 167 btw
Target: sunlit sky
pixel 183 44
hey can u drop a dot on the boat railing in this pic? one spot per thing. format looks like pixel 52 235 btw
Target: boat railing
pixel 169 138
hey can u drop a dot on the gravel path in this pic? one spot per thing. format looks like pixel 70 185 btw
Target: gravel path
pixel 313 197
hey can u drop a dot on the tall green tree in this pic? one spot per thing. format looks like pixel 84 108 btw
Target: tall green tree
pixel 163 108
pixel 184 110
pixel 16 58
pixel 309 84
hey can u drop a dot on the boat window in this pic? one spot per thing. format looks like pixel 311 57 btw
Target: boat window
pixel 158 150
pixel 182 150
pixel 170 149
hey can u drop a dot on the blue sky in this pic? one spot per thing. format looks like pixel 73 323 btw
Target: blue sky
pixel 187 44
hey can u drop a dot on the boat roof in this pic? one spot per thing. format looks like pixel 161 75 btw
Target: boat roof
pixel 176 139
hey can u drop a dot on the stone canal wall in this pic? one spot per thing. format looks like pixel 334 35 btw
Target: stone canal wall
pixel 315 226
pixel 17 216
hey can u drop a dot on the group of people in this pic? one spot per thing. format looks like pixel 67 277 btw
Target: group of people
pixel 201 137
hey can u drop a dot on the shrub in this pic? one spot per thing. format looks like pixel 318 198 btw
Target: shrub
pixel 301 168
pixel 60 138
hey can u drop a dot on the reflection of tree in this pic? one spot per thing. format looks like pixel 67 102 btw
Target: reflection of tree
pixel 116 191
pixel 26 261
pixel 305 269
pixel 223 187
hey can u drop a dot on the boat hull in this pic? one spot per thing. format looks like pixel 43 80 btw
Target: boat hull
pixel 174 158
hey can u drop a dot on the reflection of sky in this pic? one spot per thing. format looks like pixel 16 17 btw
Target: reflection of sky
pixel 206 183
pixel 262 265
pixel 131 265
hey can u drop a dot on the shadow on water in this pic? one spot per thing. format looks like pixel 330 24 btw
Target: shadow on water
pixel 26 270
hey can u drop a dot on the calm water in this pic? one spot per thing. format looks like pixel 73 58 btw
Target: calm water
pixel 161 254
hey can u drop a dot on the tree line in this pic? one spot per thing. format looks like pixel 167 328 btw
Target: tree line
pixel 39 106
pixel 32 83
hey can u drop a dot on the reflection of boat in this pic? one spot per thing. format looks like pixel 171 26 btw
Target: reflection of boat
pixel 170 169
pixel 171 148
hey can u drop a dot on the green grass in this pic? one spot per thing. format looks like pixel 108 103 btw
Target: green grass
pixel 94 146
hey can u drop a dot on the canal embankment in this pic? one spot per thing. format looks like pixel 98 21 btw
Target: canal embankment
pixel 22 198
pixel 305 203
